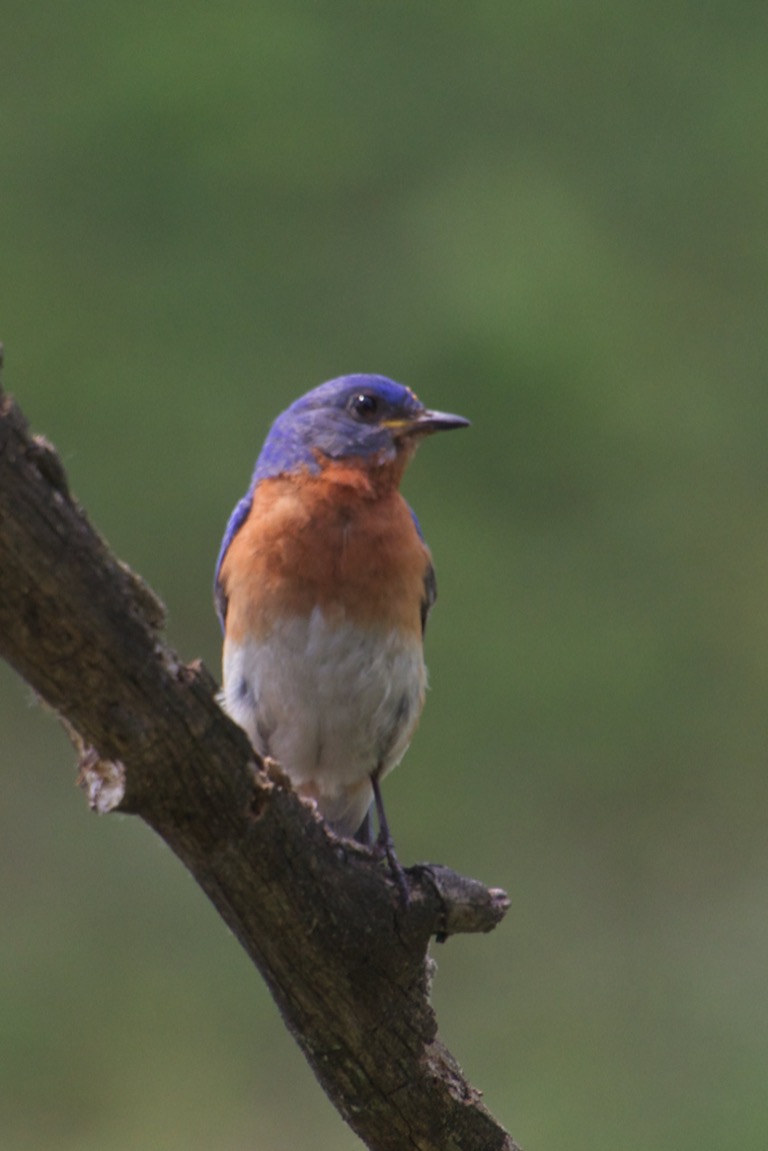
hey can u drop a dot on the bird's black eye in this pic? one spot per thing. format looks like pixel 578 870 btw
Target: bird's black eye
pixel 365 406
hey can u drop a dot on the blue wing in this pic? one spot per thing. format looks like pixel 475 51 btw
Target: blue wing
pixel 430 581
pixel 236 521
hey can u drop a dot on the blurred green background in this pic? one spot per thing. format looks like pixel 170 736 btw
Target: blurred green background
pixel 553 219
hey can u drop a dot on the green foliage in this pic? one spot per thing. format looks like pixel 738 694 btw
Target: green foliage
pixel 552 220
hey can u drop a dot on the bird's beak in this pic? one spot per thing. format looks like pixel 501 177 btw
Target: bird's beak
pixel 425 423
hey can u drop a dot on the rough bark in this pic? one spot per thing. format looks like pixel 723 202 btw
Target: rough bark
pixel 346 963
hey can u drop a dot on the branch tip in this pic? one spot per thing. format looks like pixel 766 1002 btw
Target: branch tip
pixel 467 906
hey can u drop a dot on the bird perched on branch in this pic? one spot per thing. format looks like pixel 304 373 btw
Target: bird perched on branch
pixel 323 588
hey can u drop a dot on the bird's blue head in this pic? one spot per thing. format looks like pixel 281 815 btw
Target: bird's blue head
pixel 357 416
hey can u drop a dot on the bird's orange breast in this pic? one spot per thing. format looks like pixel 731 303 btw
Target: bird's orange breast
pixel 331 541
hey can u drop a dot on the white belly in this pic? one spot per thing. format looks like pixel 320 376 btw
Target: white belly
pixel 332 703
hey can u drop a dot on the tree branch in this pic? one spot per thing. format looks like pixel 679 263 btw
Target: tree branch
pixel 320 918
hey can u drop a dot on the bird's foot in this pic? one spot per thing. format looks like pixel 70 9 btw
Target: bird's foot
pixel 385 847
pixel 384 844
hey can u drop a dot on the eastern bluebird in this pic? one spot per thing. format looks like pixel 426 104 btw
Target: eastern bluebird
pixel 323 587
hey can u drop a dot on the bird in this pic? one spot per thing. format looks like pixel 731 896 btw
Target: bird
pixel 323 586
